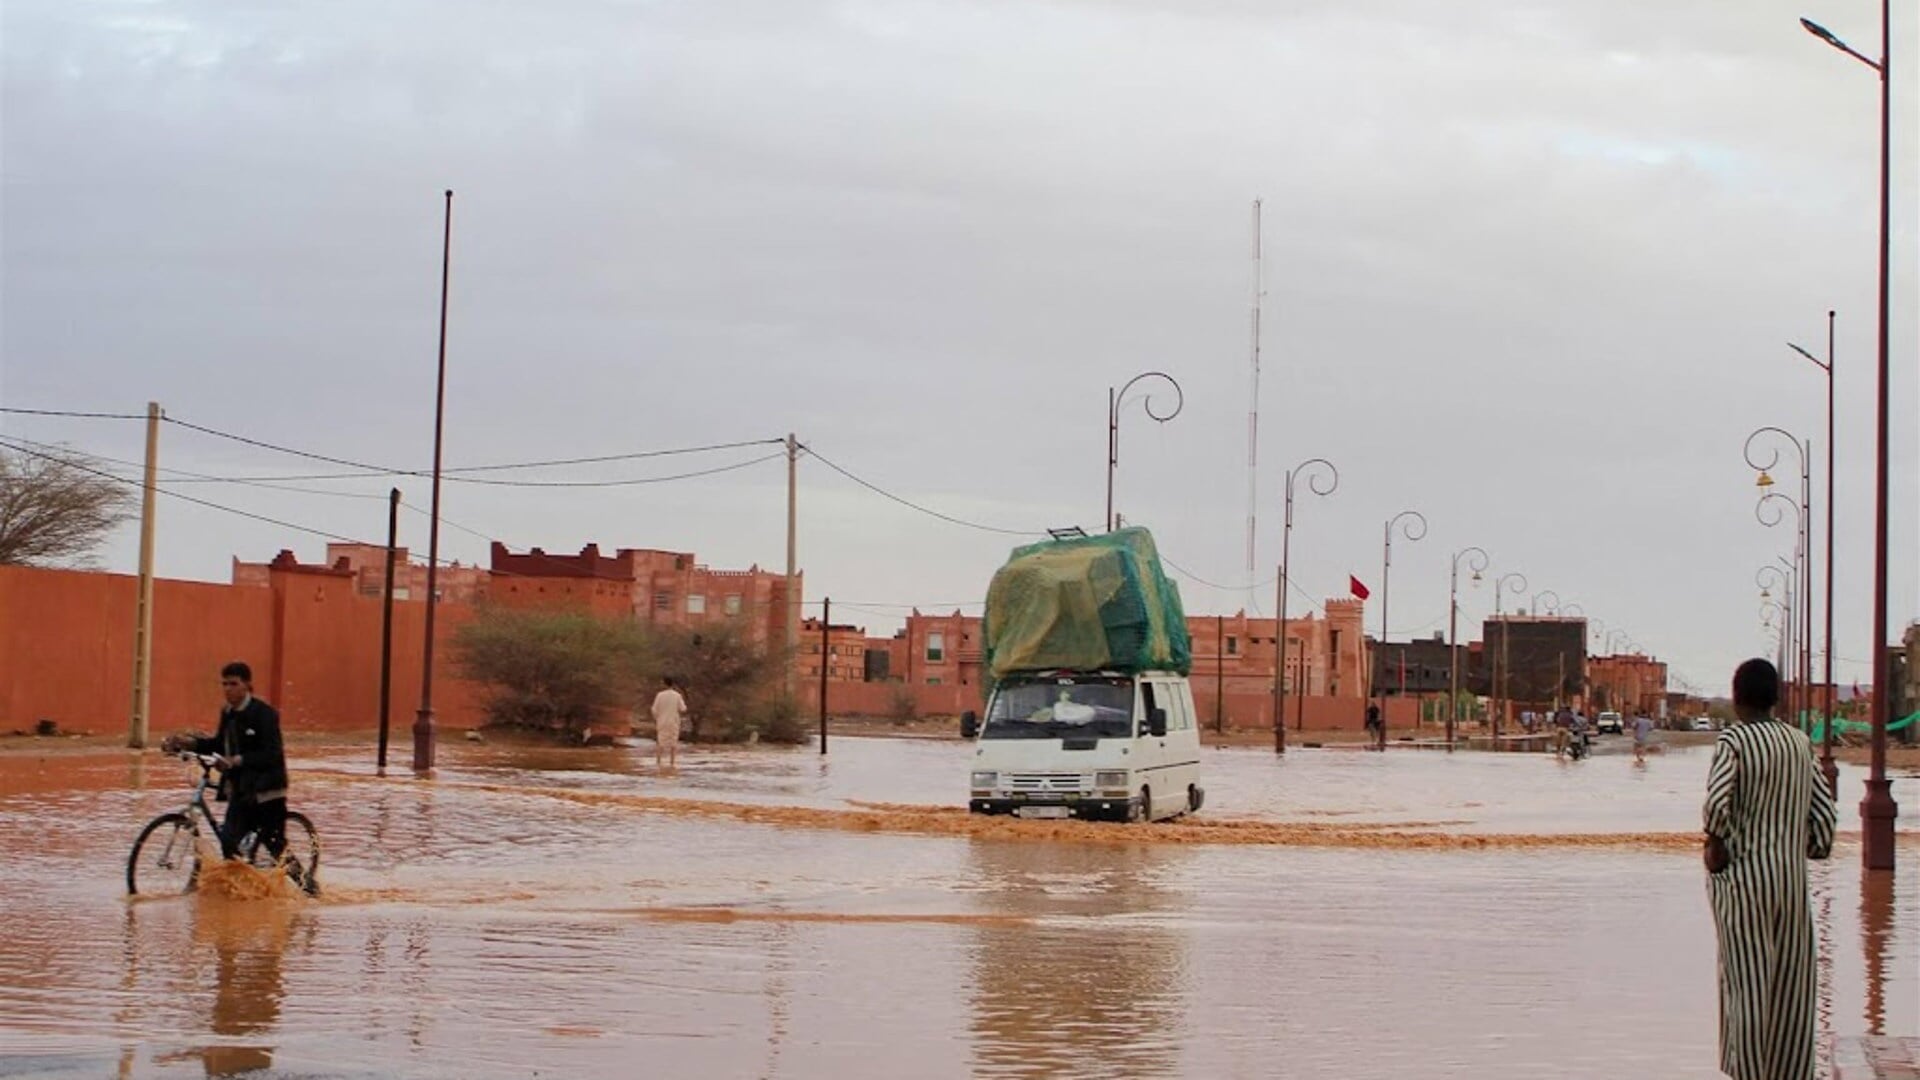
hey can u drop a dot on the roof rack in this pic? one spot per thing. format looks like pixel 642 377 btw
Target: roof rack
pixel 1071 532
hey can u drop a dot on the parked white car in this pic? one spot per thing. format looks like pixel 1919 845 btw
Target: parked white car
pixel 1087 745
pixel 1609 723
pixel 1702 723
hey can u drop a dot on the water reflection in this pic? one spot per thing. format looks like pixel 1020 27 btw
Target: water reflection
pixel 248 942
pixel 1876 926
pixel 1097 980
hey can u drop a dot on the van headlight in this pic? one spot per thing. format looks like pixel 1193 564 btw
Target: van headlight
pixel 1110 778
pixel 986 778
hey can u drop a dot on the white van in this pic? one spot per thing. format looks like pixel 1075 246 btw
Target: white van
pixel 1085 744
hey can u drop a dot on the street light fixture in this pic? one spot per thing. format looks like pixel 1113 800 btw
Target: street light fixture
pixel 1414 528
pixel 1533 604
pixel 1116 400
pixel 1315 470
pixel 1878 810
pixel 1477 560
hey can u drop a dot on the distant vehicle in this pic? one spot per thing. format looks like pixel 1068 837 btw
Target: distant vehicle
pixel 1609 723
pixel 1702 723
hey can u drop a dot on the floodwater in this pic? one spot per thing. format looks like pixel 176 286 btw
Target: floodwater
pixel 773 913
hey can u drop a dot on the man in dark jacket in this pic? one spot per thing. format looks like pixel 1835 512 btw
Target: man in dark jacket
pixel 248 750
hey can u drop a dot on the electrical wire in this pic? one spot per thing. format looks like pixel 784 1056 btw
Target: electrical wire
pixel 72 413
pixel 878 490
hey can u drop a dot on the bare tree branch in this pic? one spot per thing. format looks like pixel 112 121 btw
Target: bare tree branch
pixel 56 508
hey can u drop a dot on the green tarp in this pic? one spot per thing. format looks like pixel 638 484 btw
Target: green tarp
pixel 1086 604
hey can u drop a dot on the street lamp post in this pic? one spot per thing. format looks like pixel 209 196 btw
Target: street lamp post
pixel 1315 470
pixel 1827 765
pixel 1533 603
pixel 1414 528
pixel 1497 684
pixel 1477 562
pixel 1803 548
pixel 1878 810
pixel 1116 400
pixel 1769 577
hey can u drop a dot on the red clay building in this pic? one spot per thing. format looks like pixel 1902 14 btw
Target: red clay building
pixel 666 588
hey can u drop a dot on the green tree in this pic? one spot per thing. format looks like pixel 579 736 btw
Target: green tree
pixel 731 683
pixel 556 671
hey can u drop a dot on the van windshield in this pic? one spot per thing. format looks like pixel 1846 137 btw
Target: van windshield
pixel 1061 709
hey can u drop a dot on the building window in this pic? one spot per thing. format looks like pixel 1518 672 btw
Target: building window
pixel 1233 645
pixel 733 604
pixel 662 601
pixel 834 649
pixel 933 680
pixel 696 604
pixel 936 647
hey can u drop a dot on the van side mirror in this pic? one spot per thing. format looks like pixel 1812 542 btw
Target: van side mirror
pixel 969 724
pixel 1157 722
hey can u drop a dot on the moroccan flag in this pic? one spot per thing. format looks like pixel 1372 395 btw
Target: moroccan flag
pixel 1359 590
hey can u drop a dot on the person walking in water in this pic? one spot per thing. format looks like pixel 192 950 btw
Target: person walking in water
pixel 1768 811
pixel 669 709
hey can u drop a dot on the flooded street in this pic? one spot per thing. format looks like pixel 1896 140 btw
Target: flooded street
pixel 545 912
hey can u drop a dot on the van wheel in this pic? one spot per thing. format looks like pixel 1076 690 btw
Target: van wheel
pixel 1144 811
pixel 1193 799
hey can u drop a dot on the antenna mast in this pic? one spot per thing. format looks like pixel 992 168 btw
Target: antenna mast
pixel 1253 411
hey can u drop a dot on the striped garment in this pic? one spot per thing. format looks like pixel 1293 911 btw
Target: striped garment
pixel 1769 804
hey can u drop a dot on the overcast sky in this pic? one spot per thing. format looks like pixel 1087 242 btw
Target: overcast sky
pixel 1530 270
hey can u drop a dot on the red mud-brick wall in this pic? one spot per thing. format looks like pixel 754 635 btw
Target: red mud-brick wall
pixel 66 652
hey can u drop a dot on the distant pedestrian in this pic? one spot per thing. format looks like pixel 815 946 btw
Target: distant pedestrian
pixel 1768 810
pixel 1642 733
pixel 1376 728
pixel 669 709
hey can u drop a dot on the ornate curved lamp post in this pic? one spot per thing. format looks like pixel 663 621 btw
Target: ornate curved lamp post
pixel 1414 527
pixel 1553 607
pixel 1801 659
pixel 1117 400
pixel 1315 471
pixel 1477 560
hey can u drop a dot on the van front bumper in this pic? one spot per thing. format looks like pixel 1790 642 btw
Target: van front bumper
pixel 1084 807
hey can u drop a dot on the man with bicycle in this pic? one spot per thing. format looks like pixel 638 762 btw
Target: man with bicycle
pixel 247 748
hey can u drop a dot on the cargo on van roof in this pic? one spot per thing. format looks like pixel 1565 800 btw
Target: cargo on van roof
pixel 1085 604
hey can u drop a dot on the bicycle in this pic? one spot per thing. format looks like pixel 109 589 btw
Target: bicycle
pixel 166 856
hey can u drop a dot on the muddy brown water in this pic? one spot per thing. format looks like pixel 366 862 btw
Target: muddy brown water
pixel 542 912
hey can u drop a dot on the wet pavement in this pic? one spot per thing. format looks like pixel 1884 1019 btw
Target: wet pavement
pixel 556 912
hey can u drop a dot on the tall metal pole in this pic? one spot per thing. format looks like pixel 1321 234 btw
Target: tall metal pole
pixel 1497 685
pixel 143 599
pixel 1878 810
pixel 423 723
pixel 1477 560
pixel 826 646
pixel 1220 674
pixel 1280 639
pixel 1414 529
pixel 386 623
pixel 1315 470
pixel 1827 765
pixel 793 573
pixel 1806 582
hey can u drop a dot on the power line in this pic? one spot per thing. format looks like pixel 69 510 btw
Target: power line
pixel 73 413
pixel 876 489
pixel 369 470
pixel 184 498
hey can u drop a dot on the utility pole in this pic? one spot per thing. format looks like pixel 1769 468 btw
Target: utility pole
pixel 1219 674
pixel 423 721
pixel 826 646
pixel 386 624
pixel 793 599
pixel 143 604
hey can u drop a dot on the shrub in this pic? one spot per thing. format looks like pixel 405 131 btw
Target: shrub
pixel 728 680
pixel 556 671
pixel 903 706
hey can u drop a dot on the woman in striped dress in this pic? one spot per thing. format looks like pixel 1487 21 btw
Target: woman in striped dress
pixel 1768 811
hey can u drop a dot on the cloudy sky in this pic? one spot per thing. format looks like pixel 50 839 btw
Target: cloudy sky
pixel 1530 270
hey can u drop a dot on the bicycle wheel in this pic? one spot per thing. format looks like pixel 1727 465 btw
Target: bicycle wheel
pixel 302 853
pixel 166 858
